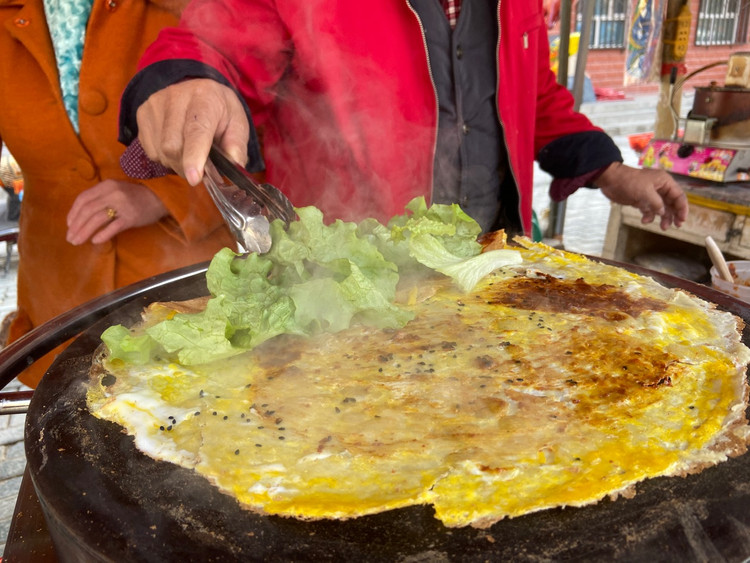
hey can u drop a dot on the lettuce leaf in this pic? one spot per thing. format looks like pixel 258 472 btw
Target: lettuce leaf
pixel 466 272
pixel 316 277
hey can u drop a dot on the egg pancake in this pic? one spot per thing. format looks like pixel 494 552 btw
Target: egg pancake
pixel 555 382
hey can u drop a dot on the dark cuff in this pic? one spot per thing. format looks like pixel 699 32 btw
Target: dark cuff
pixel 158 76
pixel 562 188
pixel 578 154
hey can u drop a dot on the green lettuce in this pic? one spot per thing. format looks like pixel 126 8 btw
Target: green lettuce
pixel 316 277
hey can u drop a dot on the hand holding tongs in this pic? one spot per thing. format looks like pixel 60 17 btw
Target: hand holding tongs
pixel 246 205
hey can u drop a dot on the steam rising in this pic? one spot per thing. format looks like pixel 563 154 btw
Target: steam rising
pixel 337 132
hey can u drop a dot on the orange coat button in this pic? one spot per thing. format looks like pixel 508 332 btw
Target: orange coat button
pixel 92 101
pixel 111 5
pixel 21 22
pixel 86 169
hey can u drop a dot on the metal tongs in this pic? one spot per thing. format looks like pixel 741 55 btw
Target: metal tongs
pixel 247 206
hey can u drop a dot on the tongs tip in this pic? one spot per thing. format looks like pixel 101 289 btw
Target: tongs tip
pixel 248 215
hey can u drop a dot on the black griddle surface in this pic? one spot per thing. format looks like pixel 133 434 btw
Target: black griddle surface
pixel 104 500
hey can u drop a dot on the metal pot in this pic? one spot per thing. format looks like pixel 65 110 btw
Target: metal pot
pixel 729 107
pixel 105 501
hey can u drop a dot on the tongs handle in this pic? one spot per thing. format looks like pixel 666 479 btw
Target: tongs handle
pixel 277 205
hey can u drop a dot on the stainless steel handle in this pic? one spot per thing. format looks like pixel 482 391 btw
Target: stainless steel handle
pixel 15 402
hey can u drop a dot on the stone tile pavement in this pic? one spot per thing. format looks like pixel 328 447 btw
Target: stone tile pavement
pixel 12 456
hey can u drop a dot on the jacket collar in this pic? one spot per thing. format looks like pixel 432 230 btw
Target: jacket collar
pixel 29 27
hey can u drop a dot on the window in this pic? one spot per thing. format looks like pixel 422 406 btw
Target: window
pixel 721 22
pixel 607 24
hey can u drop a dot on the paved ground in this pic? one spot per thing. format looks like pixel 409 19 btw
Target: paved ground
pixel 586 217
pixel 12 457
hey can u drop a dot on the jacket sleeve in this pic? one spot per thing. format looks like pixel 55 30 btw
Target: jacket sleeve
pixel 567 145
pixel 577 154
pixel 555 113
pixel 160 75
pixel 229 41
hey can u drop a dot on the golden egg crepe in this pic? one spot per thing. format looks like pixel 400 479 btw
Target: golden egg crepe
pixel 556 382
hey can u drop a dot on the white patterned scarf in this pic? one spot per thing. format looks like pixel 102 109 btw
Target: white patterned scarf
pixel 66 20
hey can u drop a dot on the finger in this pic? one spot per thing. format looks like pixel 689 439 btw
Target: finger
pixel 198 138
pixel 171 142
pixel 87 202
pixel 83 231
pixel 93 213
pixel 236 135
pixel 676 204
pixel 108 232
pixel 680 209
pixel 651 202
pixel 666 221
pixel 206 119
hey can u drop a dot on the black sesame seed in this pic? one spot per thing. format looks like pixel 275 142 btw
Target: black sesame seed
pixel 161 428
pixel 225 417
pixel 197 413
pixel 282 438
pixel 236 452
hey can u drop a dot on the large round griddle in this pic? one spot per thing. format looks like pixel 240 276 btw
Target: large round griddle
pixel 105 501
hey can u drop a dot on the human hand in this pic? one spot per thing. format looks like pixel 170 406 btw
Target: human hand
pixel 178 124
pixel 551 12
pixel 109 208
pixel 653 192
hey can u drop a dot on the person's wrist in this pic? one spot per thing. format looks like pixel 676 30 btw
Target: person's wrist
pixel 609 174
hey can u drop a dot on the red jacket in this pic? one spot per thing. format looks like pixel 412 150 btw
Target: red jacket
pixel 343 98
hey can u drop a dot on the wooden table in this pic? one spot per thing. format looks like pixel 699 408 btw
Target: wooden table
pixel 719 210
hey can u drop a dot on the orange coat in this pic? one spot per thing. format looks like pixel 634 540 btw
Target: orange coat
pixel 58 164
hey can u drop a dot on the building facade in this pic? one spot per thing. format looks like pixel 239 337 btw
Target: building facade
pixel 718 29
